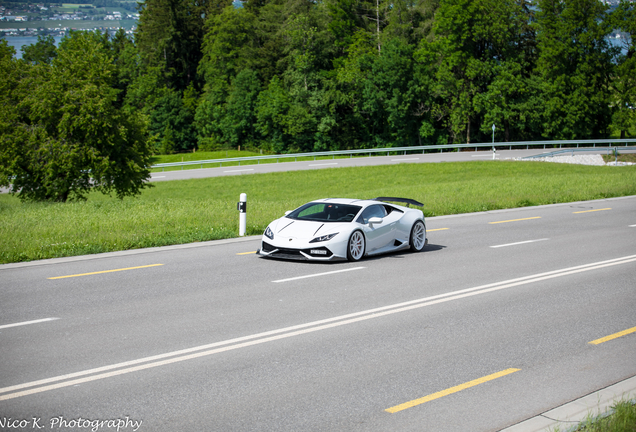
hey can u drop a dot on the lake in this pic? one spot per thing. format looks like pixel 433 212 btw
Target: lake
pixel 18 42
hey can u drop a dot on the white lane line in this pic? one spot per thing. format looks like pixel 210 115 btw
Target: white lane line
pixel 27 323
pixel 324 164
pixel 157 177
pixel 405 159
pixel 519 243
pixel 240 170
pixel 488 155
pixel 632 226
pixel 317 274
pixel 300 329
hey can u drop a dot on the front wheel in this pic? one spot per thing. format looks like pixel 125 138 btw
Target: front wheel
pixel 418 236
pixel 356 246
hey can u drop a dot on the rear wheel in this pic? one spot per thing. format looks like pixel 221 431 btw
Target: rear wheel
pixel 418 236
pixel 356 246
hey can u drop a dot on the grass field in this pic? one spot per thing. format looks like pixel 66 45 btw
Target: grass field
pixel 622 419
pixel 203 156
pixel 205 209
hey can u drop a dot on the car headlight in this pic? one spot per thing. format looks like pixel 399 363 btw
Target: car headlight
pixel 324 238
pixel 269 233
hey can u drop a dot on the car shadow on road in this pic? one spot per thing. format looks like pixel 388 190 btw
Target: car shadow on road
pixel 404 253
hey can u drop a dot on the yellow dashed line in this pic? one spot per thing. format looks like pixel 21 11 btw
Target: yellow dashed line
pixel 515 220
pixel 449 391
pixel 588 211
pixel 613 336
pixel 105 271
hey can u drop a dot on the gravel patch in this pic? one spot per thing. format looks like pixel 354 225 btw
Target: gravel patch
pixel 585 159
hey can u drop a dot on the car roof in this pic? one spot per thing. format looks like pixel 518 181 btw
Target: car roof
pixel 359 202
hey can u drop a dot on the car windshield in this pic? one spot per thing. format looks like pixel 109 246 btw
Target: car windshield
pixel 325 212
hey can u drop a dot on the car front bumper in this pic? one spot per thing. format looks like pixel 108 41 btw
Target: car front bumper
pixel 315 253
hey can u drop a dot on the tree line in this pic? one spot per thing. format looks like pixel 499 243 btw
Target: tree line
pixel 314 75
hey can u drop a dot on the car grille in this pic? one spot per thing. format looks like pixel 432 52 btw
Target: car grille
pixel 294 254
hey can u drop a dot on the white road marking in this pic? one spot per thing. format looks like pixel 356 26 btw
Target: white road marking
pixel 519 243
pixel 240 170
pixel 317 274
pixel 324 164
pixel 632 226
pixel 27 323
pixel 300 329
pixel 488 155
pixel 158 177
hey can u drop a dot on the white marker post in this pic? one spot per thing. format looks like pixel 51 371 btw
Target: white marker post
pixel 493 142
pixel 242 208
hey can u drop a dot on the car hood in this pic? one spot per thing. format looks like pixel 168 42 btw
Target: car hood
pixel 304 229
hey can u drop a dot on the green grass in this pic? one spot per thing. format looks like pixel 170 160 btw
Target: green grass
pixel 621 419
pixel 205 209
pixel 202 156
pixel 625 157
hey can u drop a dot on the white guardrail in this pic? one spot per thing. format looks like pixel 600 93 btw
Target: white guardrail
pixel 570 144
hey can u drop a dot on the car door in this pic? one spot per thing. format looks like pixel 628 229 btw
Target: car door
pixel 377 234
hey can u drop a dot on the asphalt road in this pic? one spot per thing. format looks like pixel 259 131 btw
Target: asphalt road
pixel 489 326
pixel 289 165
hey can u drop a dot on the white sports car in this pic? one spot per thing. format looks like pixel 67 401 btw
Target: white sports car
pixel 336 228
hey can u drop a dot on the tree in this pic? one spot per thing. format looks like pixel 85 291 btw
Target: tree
pixel 126 60
pixel 227 49
pixel 391 94
pixel 62 132
pixel 171 123
pixel 512 100
pixel 43 51
pixel 575 67
pixel 477 46
pixel 240 119
pixel 623 84
pixel 170 36
pixel 271 111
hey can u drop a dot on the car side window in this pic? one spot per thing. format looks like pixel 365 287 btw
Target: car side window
pixel 370 212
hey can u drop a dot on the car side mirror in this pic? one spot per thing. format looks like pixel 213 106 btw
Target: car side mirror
pixel 375 220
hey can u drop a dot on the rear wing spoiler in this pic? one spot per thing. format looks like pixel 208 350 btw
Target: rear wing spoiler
pixel 406 201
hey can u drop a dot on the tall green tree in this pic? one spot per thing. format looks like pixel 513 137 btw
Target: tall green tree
pixel 171 123
pixel 272 106
pixel 43 51
pixel 391 95
pixel 239 123
pixel 512 100
pixel 575 66
pixel 227 50
pixel 63 134
pixel 623 83
pixel 170 36
pixel 474 43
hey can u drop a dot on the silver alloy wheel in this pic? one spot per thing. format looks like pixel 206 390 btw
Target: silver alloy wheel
pixel 355 248
pixel 418 236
